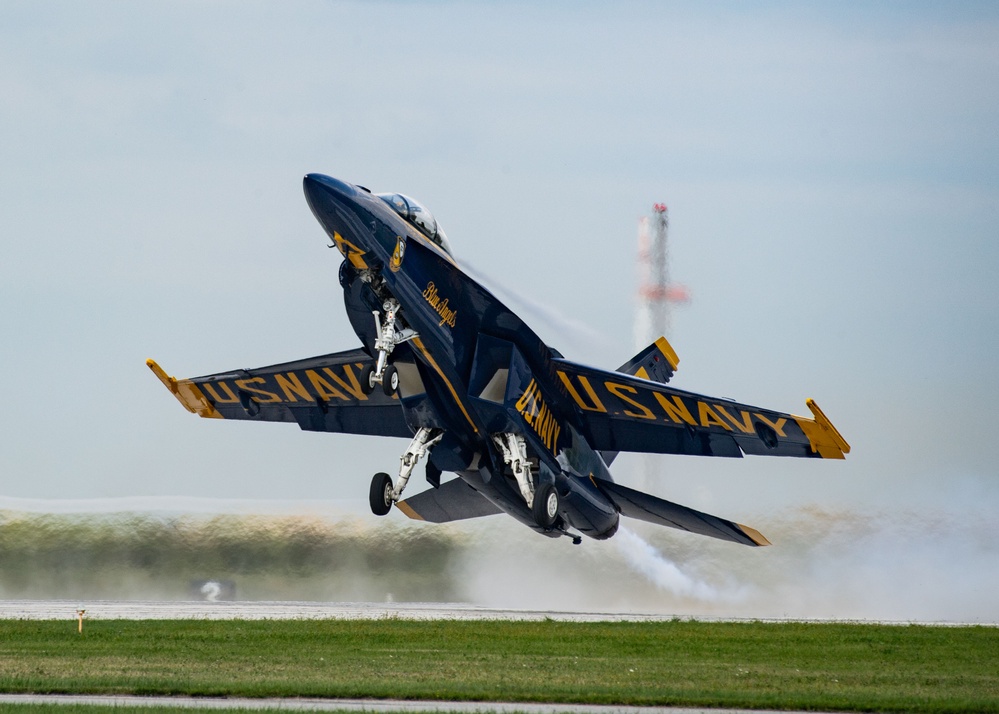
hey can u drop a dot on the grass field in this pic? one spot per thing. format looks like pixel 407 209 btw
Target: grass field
pixel 848 667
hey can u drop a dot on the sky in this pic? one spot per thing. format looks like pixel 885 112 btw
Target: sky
pixel 832 173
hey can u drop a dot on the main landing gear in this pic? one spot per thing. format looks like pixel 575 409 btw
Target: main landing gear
pixel 382 494
pixel 387 338
pixel 544 502
pixel 546 505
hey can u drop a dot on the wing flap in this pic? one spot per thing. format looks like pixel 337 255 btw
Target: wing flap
pixel 649 508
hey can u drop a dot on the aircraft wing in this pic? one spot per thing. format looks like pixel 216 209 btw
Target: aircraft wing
pixel 622 412
pixel 319 394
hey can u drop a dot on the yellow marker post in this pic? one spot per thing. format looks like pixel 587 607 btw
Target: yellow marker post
pixel 79 618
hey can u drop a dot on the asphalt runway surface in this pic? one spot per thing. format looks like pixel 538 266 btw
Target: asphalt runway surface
pixel 200 610
pixel 263 610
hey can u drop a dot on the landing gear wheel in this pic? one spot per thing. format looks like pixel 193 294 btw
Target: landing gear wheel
pixel 390 380
pixel 367 385
pixel 546 505
pixel 380 495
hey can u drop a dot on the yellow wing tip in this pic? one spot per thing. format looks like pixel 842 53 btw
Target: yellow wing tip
pixel 822 419
pixel 754 535
pixel 824 438
pixel 187 393
pixel 168 381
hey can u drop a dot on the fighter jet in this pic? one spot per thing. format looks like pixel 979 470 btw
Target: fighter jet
pixel 478 393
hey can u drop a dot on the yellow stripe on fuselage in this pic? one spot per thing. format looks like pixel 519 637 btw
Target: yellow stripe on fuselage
pixel 418 343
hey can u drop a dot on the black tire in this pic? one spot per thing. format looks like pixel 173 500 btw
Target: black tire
pixel 380 495
pixel 367 386
pixel 390 380
pixel 546 506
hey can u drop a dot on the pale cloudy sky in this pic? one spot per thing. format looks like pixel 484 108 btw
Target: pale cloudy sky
pixel 832 173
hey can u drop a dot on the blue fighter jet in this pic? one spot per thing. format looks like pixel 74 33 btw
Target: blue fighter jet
pixel 445 364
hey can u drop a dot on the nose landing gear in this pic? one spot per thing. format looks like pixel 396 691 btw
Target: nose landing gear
pixel 387 338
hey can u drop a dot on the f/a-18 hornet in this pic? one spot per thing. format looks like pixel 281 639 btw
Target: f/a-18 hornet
pixel 445 364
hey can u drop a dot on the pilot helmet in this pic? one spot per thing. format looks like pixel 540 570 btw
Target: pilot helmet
pixel 419 215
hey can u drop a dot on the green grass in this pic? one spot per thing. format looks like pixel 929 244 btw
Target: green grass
pixel 849 667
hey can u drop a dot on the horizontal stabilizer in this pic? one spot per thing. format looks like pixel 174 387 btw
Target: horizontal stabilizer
pixel 657 362
pixel 453 501
pixel 648 508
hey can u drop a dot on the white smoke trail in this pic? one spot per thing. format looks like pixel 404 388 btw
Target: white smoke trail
pixel 665 574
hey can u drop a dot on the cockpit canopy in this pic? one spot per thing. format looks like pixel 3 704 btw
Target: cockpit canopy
pixel 417 214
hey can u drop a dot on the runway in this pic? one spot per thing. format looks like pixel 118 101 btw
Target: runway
pixel 264 610
pixel 200 610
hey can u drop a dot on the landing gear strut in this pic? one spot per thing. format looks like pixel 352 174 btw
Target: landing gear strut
pixel 387 338
pixel 382 494
pixel 514 451
pixel 543 502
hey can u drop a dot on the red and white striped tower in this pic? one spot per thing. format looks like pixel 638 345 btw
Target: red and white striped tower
pixel 656 294
pixel 656 298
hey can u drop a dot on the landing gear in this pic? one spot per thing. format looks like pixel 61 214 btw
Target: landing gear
pixel 514 450
pixel 387 338
pixel 546 505
pixel 390 380
pixel 367 379
pixel 382 494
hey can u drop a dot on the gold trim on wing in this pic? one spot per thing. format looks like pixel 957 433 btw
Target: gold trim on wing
pixel 824 438
pixel 187 393
pixel 418 343
pixel 753 534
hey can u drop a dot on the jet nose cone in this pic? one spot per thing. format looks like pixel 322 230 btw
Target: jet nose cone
pixel 335 204
pixel 316 185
